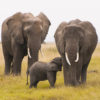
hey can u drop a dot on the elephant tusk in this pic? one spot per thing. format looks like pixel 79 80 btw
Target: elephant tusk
pixel 41 27
pixel 77 58
pixel 41 52
pixel 29 55
pixel 67 59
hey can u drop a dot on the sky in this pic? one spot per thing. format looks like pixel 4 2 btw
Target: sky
pixel 56 10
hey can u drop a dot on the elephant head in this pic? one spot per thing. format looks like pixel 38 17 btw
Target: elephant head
pixel 55 64
pixel 72 39
pixel 29 31
pixel 33 31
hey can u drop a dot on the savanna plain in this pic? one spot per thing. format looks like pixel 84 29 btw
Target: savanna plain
pixel 15 88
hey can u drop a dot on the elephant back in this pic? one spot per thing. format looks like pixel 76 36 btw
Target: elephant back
pixel 74 22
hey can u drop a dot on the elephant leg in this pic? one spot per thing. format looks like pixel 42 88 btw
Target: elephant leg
pixel 78 70
pixel 84 72
pixel 17 60
pixel 51 78
pixel 78 75
pixel 8 59
pixel 33 84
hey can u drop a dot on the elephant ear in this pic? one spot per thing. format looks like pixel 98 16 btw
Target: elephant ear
pixel 61 45
pixel 55 64
pixel 15 29
pixel 59 38
pixel 46 24
pixel 52 67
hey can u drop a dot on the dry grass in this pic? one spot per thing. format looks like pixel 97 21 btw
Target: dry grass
pixel 14 88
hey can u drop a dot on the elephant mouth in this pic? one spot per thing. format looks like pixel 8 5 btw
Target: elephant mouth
pixel 67 58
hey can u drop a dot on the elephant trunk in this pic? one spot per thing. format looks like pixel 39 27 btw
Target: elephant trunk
pixel 32 58
pixel 70 62
pixel 70 76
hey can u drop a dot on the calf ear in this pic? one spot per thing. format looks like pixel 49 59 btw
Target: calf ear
pixel 53 67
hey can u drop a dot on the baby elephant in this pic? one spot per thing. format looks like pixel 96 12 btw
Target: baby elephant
pixel 41 71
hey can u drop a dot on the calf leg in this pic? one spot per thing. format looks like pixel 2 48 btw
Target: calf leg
pixel 33 84
pixel 51 78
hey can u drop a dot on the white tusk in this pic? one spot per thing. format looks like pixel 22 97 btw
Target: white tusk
pixel 27 27
pixel 67 59
pixel 29 55
pixel 77 58
pixel 41 27
pixel 41 52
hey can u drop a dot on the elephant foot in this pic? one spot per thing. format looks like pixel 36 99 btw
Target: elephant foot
pixel 30 86
pixel 83 82
pixel 27 83
pixel 52 87
pixel 16 74
pixel 79 82
pixel 72 83
pixel 7 73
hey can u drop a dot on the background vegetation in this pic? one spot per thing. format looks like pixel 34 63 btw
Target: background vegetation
pixel 15 88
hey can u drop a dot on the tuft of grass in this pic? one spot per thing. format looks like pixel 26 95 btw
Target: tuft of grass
pixel 15 88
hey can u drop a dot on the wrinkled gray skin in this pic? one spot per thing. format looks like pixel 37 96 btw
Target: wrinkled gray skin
pixel 41 71
pixel 21 33
pixel 72 38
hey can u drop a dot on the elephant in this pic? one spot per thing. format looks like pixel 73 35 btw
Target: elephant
pixel 22 34
pixel 40 71
pixel 75 41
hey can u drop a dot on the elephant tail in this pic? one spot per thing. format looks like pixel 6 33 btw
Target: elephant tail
pixel 27 73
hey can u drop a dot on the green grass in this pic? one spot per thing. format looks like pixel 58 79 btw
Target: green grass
pixel 15 88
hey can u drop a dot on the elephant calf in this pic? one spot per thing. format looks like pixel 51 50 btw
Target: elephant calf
pixel 40 71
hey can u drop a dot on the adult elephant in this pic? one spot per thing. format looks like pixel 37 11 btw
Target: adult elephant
pixel 75 42
pixel 22 34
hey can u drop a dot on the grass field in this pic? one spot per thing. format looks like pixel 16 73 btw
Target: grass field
pixel 15 88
